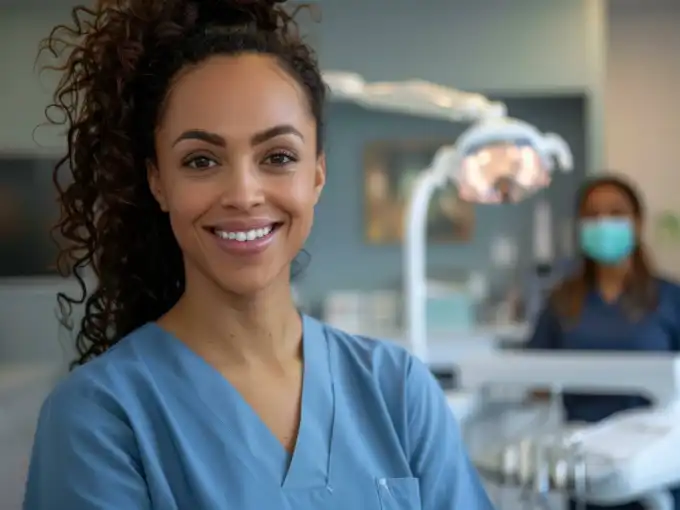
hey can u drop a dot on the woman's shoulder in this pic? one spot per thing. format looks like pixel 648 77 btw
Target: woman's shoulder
pixel 386 366
pixel 669 284
pixel 371 353
pixel 669 290
pixel 370 367
pixel 104 383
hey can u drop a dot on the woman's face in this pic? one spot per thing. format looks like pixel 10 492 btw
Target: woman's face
pixel 608 201
pixel 238 171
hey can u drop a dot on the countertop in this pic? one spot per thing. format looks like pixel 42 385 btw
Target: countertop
pixel 448 346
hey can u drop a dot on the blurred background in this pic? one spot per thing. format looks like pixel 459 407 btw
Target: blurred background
pixel 604 74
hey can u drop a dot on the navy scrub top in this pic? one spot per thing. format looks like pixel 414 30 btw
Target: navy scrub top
pixel 151 425
pixel 604 326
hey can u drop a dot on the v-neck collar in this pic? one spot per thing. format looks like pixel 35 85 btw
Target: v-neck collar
pixel 308 466
pixel 310 461
pixel 601 299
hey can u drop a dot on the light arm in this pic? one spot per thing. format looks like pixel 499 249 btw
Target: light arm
pixel 558 147
pixel 415 251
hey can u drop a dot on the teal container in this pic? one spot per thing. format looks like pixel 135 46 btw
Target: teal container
pixel 453 311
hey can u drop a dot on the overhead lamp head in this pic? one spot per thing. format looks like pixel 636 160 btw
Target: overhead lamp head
pixel 500 160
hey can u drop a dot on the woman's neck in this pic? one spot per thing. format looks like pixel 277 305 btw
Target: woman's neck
pixel 611 279
pixel 263 329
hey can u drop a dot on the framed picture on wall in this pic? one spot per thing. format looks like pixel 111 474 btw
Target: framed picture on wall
pixel 28 211
pixel 390 170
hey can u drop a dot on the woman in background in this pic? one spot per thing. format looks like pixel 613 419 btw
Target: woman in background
pixel 196 154
pixel 616 302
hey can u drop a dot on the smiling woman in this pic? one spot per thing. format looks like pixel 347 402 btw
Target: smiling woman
pixel 252 235
pixel 227 168
pixel 196 147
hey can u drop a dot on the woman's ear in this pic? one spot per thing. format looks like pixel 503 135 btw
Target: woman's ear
pixel 320 176
pixel 154 179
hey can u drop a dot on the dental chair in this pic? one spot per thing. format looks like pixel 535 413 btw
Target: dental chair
pixel 631 456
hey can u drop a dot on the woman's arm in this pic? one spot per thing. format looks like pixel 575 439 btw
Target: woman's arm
pixel 547 333
pixel 84 457
pixel 674 296
pixel 448 480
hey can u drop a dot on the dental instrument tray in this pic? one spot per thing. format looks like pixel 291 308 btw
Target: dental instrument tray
pixel 629 456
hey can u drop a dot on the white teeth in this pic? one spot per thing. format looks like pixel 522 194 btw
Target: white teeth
pixel 245 235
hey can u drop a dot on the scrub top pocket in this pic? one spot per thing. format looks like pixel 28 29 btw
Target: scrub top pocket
pixel 398 493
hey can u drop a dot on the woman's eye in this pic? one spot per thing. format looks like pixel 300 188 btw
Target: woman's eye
pixel 200 163
pixel 280 159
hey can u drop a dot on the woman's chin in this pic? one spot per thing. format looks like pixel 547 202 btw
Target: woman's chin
pixel 249 282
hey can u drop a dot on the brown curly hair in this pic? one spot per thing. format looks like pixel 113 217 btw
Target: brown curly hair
pixel 120 58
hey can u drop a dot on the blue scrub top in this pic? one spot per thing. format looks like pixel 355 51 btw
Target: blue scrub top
pixel 605 326
pixel 150 425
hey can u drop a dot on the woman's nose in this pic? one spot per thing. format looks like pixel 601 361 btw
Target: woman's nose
pixel 243 188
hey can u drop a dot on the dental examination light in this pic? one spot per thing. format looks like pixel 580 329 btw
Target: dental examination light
pixel 497 160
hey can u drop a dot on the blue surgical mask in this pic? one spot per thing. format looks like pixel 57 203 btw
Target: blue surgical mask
pixel 607 240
